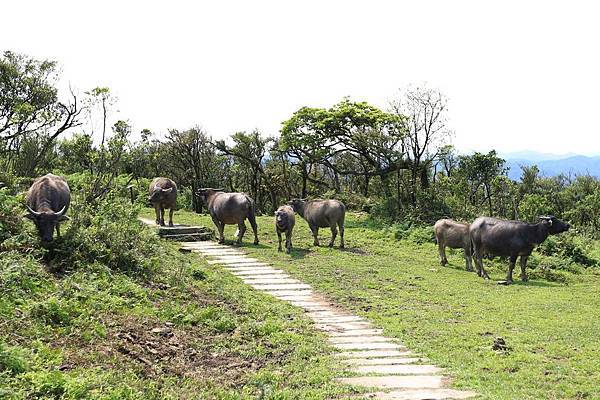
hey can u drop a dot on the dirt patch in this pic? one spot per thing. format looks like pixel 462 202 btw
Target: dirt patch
pixel 157 349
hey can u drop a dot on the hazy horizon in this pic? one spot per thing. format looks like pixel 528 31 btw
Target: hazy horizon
pixel 519 76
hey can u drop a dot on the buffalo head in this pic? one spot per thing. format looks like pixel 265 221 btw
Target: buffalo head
pixel 554 224
pixel 46 221
pixel 159 194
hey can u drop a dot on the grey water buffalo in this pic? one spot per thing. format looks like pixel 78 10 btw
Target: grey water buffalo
pixel 497 237
pixel 230 209
pixel 449 233
pixel 163 194
pixel 47 202
pixel 284 222
pixel 322 214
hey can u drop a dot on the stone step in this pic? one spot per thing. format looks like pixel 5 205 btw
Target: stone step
pixel 422 394
pixel 369 346
pixel 226 260
pixel 411 369
pixel 242 266
pixel 384 361
pixel 396 381
pixel 279 287
pixel 360 339
pixel 285 294
pixel 374 354
pixel 329 320
pixel 188 237
pixel 183 230
pixel 357 332
pixel 343 326
pixel 256 272
pixel 282 279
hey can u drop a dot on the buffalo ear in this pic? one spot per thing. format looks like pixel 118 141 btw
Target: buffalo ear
pixel 29 216
pixel 63 218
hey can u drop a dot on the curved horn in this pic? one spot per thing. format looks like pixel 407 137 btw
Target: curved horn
pixel 169 190
pixel 61 212
pixel 32 211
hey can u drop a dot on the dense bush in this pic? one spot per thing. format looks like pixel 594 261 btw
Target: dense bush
pixel 109 233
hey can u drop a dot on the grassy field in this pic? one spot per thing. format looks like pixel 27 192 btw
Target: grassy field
pixel 451 316
pixel 186 332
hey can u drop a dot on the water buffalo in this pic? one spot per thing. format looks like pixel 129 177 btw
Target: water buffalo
pixel 496 237
pixel 455 235
pixel 47 203
pixel 163 194
pixel 284 222
pixel 230 209
pixel 322 214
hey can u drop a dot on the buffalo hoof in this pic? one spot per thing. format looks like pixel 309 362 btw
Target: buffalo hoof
pixel 256 242
pixel 288 251
pixel 171 224
pixel 279 249
pixel 524 278
pixel 341 246
pixel 330 245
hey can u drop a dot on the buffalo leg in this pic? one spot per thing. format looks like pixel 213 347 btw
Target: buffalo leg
pixel 479 262
pixel 252 220
pixel 279 237
pixel 442 251
pixel 240 232
pixel 341 226
pixel 315 233
pixel 171 217
pixel 511 266
pixel 162 216
pixel 523 268
pixel 333 235
pixel 57 230
pixel 157 212
pixel 468 260
pixel 288 241
pixel 220 228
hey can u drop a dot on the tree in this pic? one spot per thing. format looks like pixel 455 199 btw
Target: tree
pixel 30 111
pixel 480 170
pixel 425 111
pixel 194 162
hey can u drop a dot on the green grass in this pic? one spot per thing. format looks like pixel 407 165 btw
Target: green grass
pixel 452 316
pixel 188 331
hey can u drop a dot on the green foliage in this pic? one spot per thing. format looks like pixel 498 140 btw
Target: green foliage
pixel 532 206
pixel 108 233
pixel 12 360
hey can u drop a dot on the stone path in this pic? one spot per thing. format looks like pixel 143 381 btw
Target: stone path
pixel 381 364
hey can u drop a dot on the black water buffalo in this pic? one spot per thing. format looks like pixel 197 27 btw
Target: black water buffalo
pixel 496 237
pixel 284 222
pixel 455 235
pixel 230 209
pixel 47 203
pixel 322 214
pixel 163 194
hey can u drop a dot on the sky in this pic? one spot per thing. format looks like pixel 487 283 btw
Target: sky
pixel 518 74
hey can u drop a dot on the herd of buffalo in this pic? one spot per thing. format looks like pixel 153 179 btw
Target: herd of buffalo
pixel 49 197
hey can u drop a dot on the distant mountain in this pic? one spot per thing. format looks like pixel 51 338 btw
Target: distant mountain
pixel 534 156
pixel 552 166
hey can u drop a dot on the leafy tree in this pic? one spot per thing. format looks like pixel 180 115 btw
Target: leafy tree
pixel 31 114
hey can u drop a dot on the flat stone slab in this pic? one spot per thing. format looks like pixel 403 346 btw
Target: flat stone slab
pixel 368 346
pixel 422 394
pixel 282 286
pixel 253 280
pixel 256 272
pixel 360 339
pixel 357 332
pixel 343 326
pixel 218 252
pixel 238 266
pixel 328 320
pixel 397 369
pixel 384 361
pixel 396 381
pixel 233 260
pixel 374 354
pixel 285 294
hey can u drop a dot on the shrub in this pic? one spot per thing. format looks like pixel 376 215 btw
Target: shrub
pixel 109 233
pixel 569 246
pixel 12 359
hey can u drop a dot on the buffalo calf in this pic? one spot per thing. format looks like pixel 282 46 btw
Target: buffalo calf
pixel 284 222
